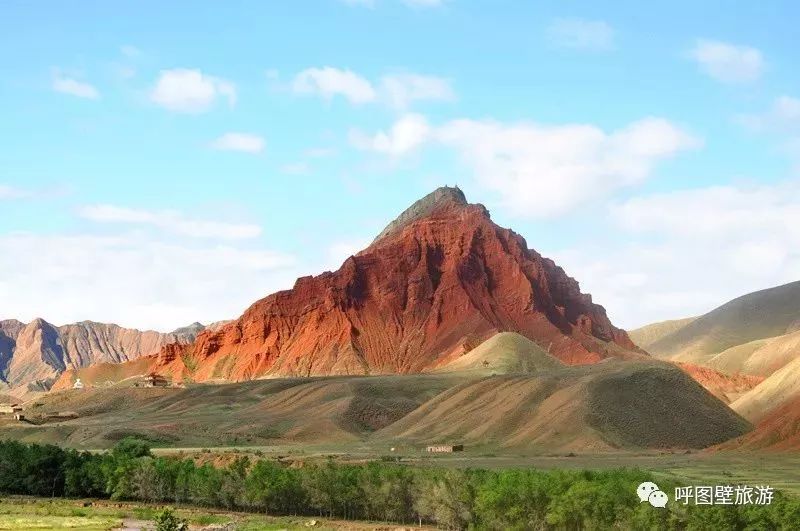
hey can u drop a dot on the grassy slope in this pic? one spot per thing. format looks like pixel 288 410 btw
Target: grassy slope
pixel 649 334
pixel 589 407
pixel 334 409
pixel 779 388
pixel 761 357
pixel 524 399
pixel 762 314
pixel 596 407
pixel 504 353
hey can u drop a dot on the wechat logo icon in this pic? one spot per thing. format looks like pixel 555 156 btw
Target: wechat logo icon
pixel 649 492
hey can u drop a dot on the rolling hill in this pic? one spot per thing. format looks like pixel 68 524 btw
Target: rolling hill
pixel 761 357
pixel 777 389
pixel 504 353
pixel 649 334
pixel 591 407
pixel 754 317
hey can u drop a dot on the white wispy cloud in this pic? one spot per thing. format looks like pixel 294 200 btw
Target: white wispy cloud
pixel 13 192
pixel 131 52
pixel 244 142
pixel 329 82
pixel 340 250
pixel 581 34
pixel 397 90
pixel 73 87
pixel 191 91
pixel 135 280
pixel 783 115
pixel 406 135
pixel 729 63
pixel 171 221
pixel 538 170
pixel 401 90
pixel 748 235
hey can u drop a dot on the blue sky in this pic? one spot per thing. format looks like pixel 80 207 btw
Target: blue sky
pixel 162 164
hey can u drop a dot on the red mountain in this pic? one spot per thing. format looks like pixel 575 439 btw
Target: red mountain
pixel 435 283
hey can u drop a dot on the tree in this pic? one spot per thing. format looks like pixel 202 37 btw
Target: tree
pixel 273 488
pixel 447 498
pixel 119 467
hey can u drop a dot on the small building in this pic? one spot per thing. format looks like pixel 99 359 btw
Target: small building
pixel 445 448
pixel 78 384
pixel 19 417
pixel 10 409
pixel 155 380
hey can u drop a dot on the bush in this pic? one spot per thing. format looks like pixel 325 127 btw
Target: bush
pixel 167 520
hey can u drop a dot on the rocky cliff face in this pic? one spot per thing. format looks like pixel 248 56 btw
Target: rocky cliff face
pixel 39 352
pixel 436 282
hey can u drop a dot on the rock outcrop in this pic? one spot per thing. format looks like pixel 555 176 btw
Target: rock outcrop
pixel 436 282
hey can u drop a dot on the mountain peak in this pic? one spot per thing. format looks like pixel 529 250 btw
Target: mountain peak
pixel 442 197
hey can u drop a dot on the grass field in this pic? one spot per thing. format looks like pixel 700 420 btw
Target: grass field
pixel 24 513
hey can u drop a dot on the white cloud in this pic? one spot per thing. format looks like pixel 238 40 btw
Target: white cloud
pixel 783 115
pixel 339 251
pixel 132 280
pixel 329 82
pixel 692 250
pixel 170 221
pixel 400 90
pixel 12 192
pixel 717 212
pixel 406 135
pixel 190 91
pixel 728 63
pixel 580 34
pixel 73 87
pixel 243 142
pixel 541 171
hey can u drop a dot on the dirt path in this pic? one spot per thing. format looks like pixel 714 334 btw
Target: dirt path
pixel 131 524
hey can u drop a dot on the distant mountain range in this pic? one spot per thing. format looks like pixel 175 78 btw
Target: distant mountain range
pixel 33 355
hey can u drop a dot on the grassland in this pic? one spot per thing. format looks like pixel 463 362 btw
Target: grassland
pixel 26 513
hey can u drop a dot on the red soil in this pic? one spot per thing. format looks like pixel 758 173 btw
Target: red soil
pixel 723 386
pixel 430 288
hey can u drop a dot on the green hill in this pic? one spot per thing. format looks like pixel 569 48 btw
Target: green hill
pixel 504 353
